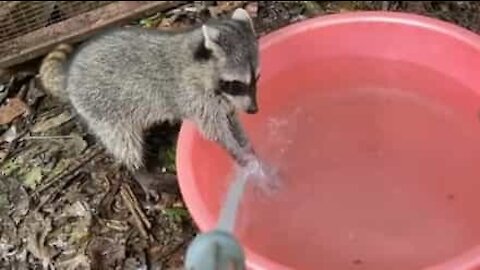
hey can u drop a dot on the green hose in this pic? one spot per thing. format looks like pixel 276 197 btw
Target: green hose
pixel 219 249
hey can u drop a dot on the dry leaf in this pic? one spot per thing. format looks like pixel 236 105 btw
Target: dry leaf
pixel 224 7
pixel 20 198
pixel 13 109
pixel 75 145
pixel 79 261
pixel 36 243
pixel 33 177
pixel 51 122
pixel 106 253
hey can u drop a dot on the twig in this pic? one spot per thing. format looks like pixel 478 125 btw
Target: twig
pixel 47 137
pixel 12 147
pixel 56 191
pixel 137 206
pixel 132 203
pixel 68 171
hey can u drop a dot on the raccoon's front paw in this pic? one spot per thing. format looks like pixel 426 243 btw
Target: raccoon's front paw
pixel 270 180
pixel 265 176
pixel 246 160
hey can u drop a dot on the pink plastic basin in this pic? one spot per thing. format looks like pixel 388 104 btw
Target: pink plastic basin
pixel 373 120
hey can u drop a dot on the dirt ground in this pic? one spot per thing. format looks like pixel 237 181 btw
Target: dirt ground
pixel 65 204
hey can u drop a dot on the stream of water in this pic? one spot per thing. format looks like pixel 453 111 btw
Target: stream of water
pixel 262 175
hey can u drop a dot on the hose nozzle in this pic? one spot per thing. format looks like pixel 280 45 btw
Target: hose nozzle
pixel 215 250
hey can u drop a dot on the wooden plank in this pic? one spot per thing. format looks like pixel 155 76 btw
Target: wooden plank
pixel 76 29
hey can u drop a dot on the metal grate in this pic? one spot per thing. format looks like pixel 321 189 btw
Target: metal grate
pixel 29 29
pixel 21 17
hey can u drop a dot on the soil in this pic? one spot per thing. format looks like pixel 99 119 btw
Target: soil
pixel 65 204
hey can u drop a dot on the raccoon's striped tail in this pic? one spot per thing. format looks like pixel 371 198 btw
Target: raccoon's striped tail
pixel 51 74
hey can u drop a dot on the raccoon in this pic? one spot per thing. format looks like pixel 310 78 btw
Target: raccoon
pixel 125 80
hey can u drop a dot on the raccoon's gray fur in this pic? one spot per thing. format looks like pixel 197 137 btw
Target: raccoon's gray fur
pixel 125 80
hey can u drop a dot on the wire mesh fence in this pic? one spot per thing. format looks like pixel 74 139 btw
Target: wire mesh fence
pixel 30 28
pixel 20 17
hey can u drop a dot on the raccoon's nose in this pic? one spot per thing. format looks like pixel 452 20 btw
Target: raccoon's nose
pixel 252 110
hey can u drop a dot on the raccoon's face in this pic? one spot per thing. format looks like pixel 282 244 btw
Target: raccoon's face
pixel 234 47
pixel 242 95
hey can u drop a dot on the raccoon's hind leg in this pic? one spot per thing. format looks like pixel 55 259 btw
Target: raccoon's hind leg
pixel 156 140
pixel 127 146
pixel 152 184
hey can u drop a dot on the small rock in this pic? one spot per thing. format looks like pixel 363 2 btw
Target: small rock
pixel 10 135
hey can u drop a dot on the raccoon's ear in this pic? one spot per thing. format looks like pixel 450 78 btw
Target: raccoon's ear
pixel 210 36
pixel 241 14
pixel 207 45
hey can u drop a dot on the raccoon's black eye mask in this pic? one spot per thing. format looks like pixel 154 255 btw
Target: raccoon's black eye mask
pixel 238 88
pixel 234 88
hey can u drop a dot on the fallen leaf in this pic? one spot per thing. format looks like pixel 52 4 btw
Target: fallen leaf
pixel 33 177
pixel 20 199
pixel 51 122
pixel 74 145
pixel 11 110
pixel 224 7
pixel 60 166
pixel 36 243
pixel 9 240
pixel 106 253
pixel 151 21
pixel 77 262
pixel 77 209
pixel 175 23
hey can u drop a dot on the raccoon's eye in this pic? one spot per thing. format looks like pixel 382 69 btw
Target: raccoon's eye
pixel 234 88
